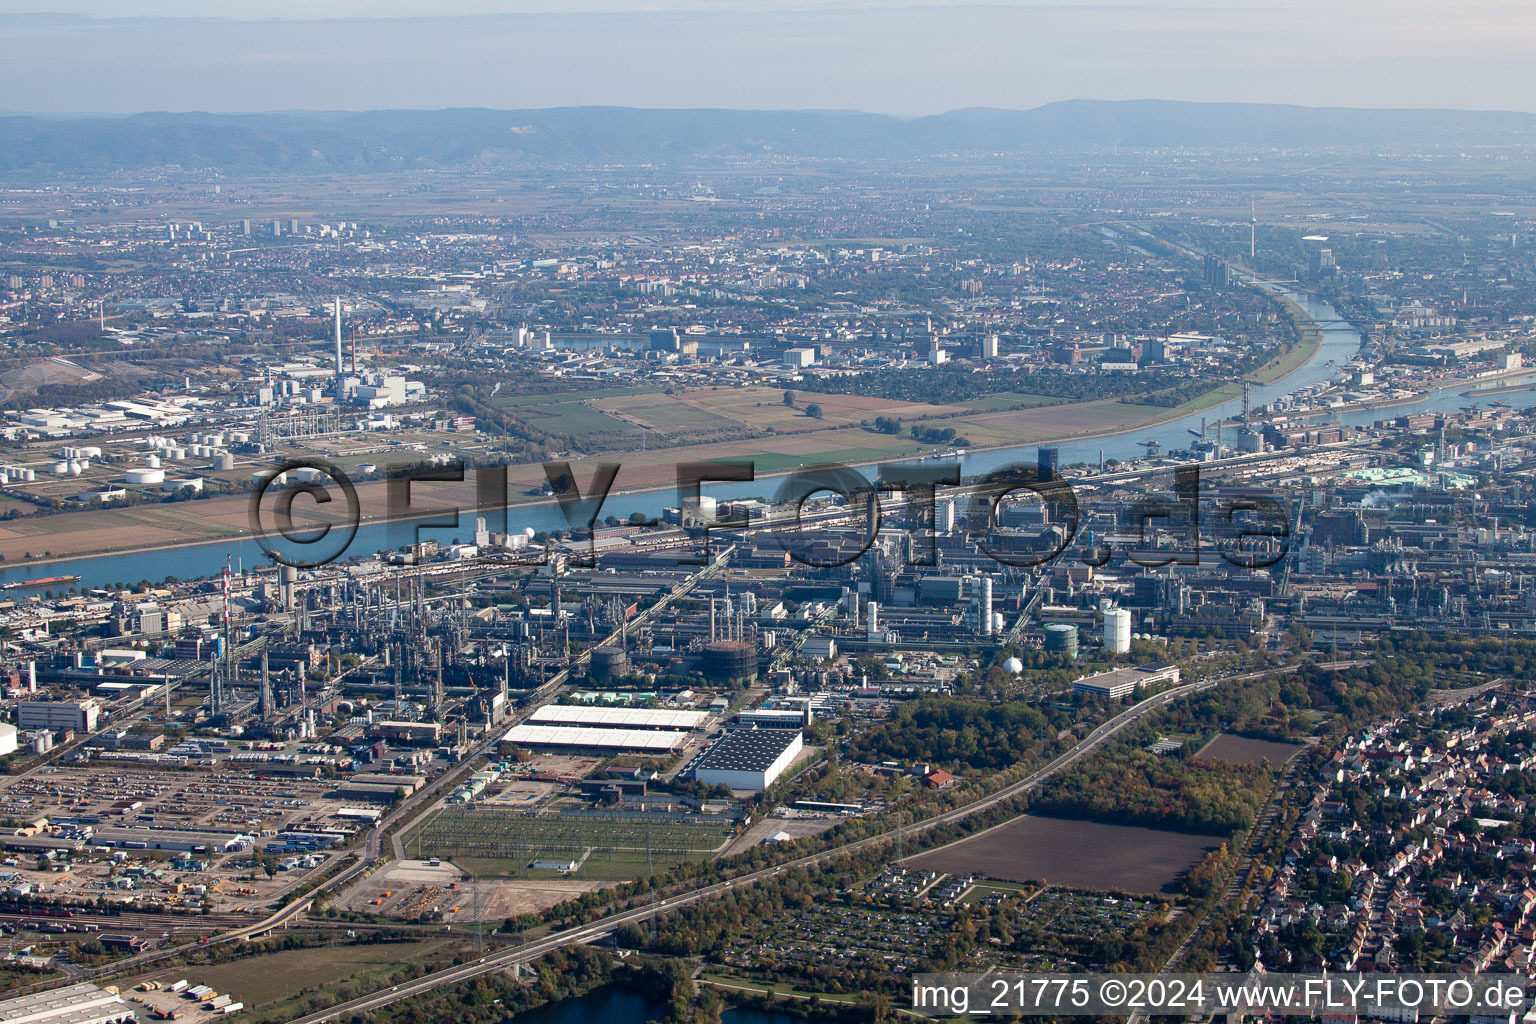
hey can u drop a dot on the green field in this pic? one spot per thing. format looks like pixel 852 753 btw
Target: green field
pixel 571 418
pixel 276 979
pixel 1010 400
pixel 524 401
pixel 503 842
pixel 665 413
pixel 765 463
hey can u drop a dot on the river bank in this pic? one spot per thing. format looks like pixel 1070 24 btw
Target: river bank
pixel 225 534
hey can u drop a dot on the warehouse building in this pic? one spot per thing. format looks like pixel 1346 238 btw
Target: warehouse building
pixel 749 759
pixel 73 1004
pixel 618 718
pixel 576 738
pixel 1122 682
pixel 178 840
pixel 774 718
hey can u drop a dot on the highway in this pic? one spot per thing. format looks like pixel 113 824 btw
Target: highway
pixel 586 933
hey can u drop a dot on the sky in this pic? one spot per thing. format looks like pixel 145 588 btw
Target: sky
pixel 906 57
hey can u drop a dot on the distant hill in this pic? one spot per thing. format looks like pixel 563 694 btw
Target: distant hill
pixel 398 139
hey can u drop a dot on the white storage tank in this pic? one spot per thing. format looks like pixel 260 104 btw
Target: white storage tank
pixel 1117 631
pixel 152 462
pixel 146 476
pixel 226 462
pixel 61 468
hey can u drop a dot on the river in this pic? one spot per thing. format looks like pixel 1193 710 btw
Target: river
pixel 614 1005
pixel 1340 342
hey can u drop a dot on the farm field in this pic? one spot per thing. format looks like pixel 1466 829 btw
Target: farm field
pixel 1078 854
pixel 1242 750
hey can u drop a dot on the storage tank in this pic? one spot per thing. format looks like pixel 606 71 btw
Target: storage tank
pixel 1117 631
pixel 1061 638
pixel 152 462
pixel 61 468
pixel 225 463
pixel 732 662
pixel 609 663
pixel 146 476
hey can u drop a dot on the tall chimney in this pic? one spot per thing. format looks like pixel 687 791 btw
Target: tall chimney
pixel 338 339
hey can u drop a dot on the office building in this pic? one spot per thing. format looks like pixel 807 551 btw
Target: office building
pixel 1320 265
pixel 1216 272
pixel 1049 460
pixel 76 715
pixel 1123 682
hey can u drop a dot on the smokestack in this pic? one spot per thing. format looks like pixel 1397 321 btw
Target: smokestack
pixel 338 337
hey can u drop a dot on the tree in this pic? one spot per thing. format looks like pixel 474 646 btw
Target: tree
pixel 789 399
pixel 813 411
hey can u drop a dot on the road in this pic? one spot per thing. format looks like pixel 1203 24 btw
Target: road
pixel 587 933
pixel 419 801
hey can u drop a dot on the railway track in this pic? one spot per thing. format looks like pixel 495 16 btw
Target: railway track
pixel 587 933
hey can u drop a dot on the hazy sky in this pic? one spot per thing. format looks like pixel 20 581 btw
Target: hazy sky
pixel 891 56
